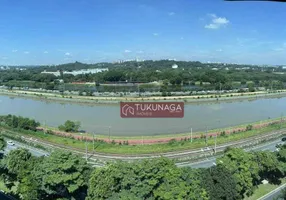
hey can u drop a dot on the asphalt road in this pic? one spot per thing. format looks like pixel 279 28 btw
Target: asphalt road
pixel 34 151
pixel 208 162
pixel 270 146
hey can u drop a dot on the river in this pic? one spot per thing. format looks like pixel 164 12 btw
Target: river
pixel 98 118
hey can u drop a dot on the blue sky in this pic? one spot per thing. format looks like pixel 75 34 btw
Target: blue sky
pixel 60 31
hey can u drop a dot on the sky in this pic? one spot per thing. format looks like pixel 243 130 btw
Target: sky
pixel 34 32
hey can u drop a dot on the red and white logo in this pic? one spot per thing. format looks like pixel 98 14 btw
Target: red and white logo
pixel 152 109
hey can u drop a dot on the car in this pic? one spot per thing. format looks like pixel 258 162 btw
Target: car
pixel 283 139
pixel 10 143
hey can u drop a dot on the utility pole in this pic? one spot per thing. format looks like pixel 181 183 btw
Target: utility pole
pixel 93 142
pixel 45 127
pixel 206 140
pixel 215 144
pixel 191 135
pixel 281 120
pixel 109 132
pixel 86 147
pixel 219 130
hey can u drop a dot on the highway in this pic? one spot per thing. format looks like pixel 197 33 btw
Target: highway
pixel 34 151
pixel 208 162
pixel 270 146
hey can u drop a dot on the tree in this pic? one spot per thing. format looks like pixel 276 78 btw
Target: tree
pixel 70 126
pixel 2 143
pixel 63 175
pixel 16 160
pixel 14 164
pixel 219 183
pixel 147 179
pixel 29 187
pixel 251 87
pixel 269 166
pixel 244 169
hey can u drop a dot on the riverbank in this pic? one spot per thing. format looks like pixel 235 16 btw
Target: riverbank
pixel 263 132
pixel 117 100
pixel 143 140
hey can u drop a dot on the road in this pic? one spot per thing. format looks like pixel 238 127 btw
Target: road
pixel 208 162
pixel 273 194
pixel 271 146
pixel 34 151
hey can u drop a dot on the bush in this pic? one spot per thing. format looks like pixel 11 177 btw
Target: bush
pixel 223 134
pixel 249 127
pixel 70 126
pixel 172 141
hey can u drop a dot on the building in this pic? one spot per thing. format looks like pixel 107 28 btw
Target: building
pixel 78 72
pixel 175 66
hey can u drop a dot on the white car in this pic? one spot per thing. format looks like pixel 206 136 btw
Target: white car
pixel 11 143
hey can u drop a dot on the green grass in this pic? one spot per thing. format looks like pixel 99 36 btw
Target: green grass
pixel 103 147
pixel 170 136
pixel 264 189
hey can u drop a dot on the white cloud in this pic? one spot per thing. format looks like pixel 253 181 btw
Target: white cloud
pixel 171 13
pixel 217 22
pixel 67 54
pixel 46 52
pixel 220 20
pixel 26 52
pixel 212 26
pixel 219 50
pixel 127 51
pixel 140 52
pixel 15 50
pixel 155 34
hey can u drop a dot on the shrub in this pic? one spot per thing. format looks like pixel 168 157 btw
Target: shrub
pixel 249 127
pixel 223 133
pixel 172 141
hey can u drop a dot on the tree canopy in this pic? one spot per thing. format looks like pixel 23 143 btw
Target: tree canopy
pixel 70 126
pixel 64 175
pixel 157 179
pixel 2 143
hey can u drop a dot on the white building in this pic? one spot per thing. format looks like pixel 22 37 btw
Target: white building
pixel 175 66
pixel 77 72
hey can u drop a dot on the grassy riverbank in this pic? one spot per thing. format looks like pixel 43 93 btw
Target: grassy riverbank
pixel 116 100
pixel 104 147
pixel 168 136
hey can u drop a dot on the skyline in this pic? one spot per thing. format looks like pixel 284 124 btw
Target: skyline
pixel 61 31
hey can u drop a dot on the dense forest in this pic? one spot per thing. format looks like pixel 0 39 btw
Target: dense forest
pixel 65 176
pixel 186 76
